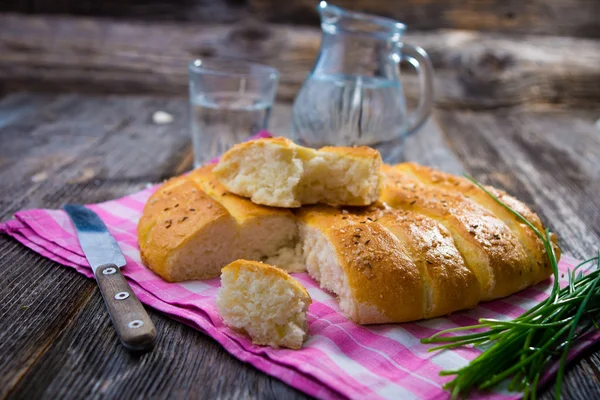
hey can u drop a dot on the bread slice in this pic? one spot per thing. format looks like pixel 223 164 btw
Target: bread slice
pixel 264 302
pixel 277 172
pixel 192 227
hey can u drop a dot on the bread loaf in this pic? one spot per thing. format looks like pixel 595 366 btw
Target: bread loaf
pixel 433 244
pixel 277 172
pixel 264 302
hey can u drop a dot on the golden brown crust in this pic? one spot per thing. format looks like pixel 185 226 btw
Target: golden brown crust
pixel 267 269
pixel 184 209
pixel 491 250
pixel 379 273
pixel 402 264
pixel 377 263
pixel 449 284
pixel 540 263
pixel 171 215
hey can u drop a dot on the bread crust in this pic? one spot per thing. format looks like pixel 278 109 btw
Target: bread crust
pixel 401 266
pixel 267 269
pixel 379 272
pixel 490 248
pixel 172 216
pixel 190 209
pixel 449 284
pixel 540 264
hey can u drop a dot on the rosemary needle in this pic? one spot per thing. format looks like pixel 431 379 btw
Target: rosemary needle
pixel 521 348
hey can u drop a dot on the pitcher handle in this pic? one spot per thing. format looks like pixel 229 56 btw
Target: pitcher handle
pixel 419 59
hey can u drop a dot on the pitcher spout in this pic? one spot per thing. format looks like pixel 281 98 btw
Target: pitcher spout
pixel 337 20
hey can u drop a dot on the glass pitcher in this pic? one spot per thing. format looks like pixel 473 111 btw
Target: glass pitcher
pixel 353 95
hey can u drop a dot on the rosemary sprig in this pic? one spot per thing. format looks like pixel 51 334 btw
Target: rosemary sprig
pixel 520 349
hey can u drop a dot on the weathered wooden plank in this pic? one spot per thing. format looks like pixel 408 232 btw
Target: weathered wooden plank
pixel 581 382
pixel 28 307
pixel 428 147
pixel 112 143
pixel 474 70
pixel 548 159
pixel 554 17
pixel 86 360
pixel 56 340
pixel 100 131
pixel 182 10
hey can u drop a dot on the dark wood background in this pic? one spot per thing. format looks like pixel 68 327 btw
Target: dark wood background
pixel 517 106
pixel 551 17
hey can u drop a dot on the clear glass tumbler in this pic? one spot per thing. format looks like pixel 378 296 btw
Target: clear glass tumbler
pixel 230 100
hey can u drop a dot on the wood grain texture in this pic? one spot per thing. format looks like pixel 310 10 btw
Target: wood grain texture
pixel 29 319
pixel 549 159
pixel 178 10
pixel 554 17
pixel 84 359
pixel 56 339
pixel 473 70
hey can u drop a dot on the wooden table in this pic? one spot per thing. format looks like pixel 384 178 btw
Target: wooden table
pixel 531 129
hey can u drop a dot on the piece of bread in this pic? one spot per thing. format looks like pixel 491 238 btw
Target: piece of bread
pixel 458 185
pixel 192 227
pixel 504 253
pixel 386 265
pixel 276 172
pixel 264 302
pixel 434 243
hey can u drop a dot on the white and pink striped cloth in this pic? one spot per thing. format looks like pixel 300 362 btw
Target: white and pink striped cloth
pixel 339 360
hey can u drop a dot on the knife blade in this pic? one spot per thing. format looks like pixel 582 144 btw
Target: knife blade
pixel 131 321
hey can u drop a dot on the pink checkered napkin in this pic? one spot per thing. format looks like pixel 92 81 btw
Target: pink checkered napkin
pixel 339 360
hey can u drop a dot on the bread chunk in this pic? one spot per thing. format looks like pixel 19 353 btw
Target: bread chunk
pixel 276 172
pixel 192 227
pixel 264 302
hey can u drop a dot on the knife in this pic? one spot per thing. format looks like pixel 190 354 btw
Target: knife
pixel 131 321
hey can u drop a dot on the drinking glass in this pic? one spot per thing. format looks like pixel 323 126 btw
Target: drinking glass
pixel 230 100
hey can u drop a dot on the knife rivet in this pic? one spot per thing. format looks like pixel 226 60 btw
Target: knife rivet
pixel 121 295
pixel 136 323
pixel 109 271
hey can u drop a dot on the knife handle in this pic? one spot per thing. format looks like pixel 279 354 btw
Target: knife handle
pixel 132 323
